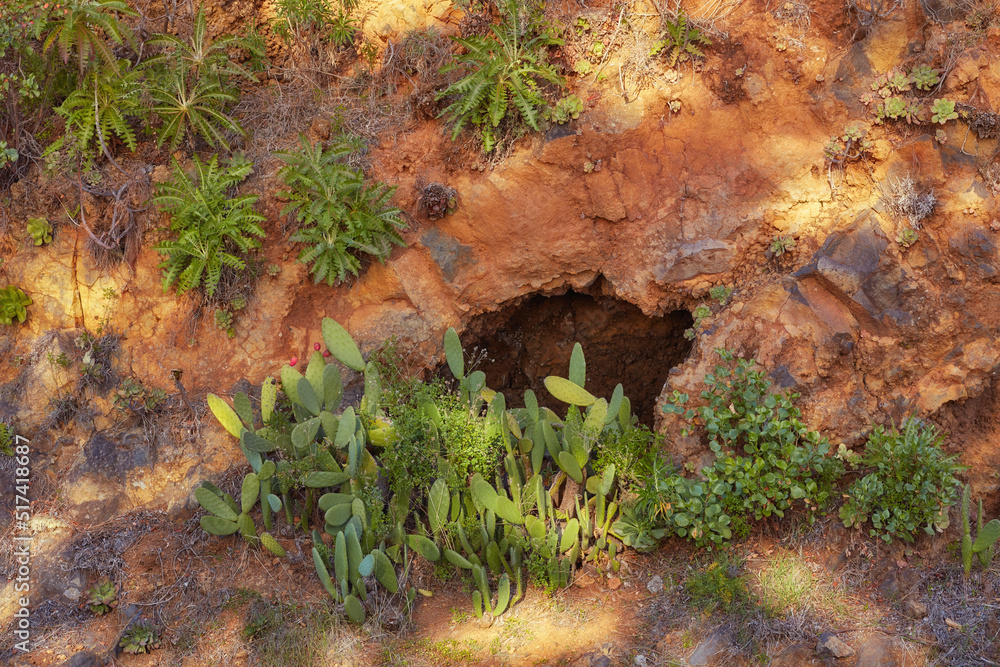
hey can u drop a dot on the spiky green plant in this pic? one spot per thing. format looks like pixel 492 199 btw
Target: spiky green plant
pixel 202 56
pixel 13 305
pixel 340 215
pixel 192 106
pixel 192 84
pixel 680 40
pixel 502 76
pixel 212 229
pixel 99 110
pixel 84 28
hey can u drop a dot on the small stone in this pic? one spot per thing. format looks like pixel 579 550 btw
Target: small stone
pixel 915 609
pixel 614 583
pixel 641 661
pixel 830 643
pixel 655 585
pixel 820 78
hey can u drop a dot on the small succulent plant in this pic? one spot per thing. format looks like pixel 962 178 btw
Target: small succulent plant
pixel 923 77
pixel 907 237
pixel 141 638
pixel 944 110
pixel 781 245
pixel 103 596
pixel 40 230
pixel 567 109
pixel 13 305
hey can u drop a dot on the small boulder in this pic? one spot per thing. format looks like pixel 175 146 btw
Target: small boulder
pixel 655 585
pixel 915 609
pixel 83 659
pixel 830 643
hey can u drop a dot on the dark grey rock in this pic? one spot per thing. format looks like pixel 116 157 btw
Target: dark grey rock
pixel 84 659
pixel 450 255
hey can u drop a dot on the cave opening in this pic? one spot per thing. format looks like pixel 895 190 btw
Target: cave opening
pixel 519 345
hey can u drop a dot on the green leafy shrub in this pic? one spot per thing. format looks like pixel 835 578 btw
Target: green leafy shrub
pixel 97 111
pixel 40 230
pixel 911 484
pixel 766 457
pixel 502 75
pixel 680 40
pixel 213 230
pixel 340 215
pixel 13 305
pixel 85 26
pixel 302 21
pixel 192 107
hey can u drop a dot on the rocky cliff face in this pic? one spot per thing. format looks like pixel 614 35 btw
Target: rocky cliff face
pixel 651 201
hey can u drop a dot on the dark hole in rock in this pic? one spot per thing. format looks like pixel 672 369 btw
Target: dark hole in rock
pixel 519 345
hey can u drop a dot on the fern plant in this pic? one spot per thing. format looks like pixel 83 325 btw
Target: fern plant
pixel 340 215
pixel 99 110
pixel 680 41
pixel 213 230
pixel 503 72
pixel 84 26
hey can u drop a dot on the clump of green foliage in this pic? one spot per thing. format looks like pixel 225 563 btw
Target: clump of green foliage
pixel 7 438
pixel 84 27
pixel 13 305
pixel 99 110
pixel 312 22
pixel 213 230
pixel 766 457
pixel 987 535
pixel 781 244
pixel 943 111
pixel 910 487
pixel 502 75
pixel 893 97
pixel 717 587
pixel 340 214
pixel 680 40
